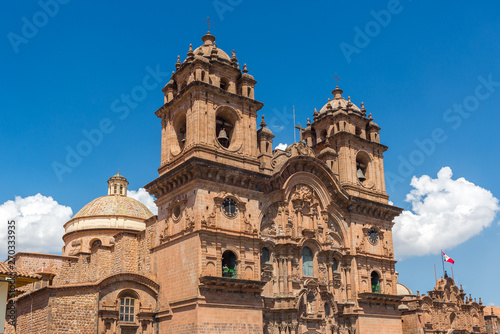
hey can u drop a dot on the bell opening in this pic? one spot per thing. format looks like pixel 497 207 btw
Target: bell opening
pixel 223 131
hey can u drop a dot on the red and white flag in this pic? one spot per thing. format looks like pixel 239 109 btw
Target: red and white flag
pixel 447 258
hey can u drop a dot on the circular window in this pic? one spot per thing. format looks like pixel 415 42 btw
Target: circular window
pixel 373 235
pixel 177 211
pixel 229 207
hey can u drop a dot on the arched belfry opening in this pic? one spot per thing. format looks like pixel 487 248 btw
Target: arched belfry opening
pixel 375 280
pixel 362 164
pixel 229 264
pixel 225 127
pixel 180 131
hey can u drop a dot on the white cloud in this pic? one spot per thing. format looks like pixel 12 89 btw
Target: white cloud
pixel 281 146
pixel 145 198
pixel 445 213
pixel 39 224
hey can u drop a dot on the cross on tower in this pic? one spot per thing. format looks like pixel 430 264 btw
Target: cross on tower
pixel 300 128
pixel 208 23
pixel 336 80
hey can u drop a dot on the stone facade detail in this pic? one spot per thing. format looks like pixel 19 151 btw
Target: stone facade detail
pixel 247 239
pixel 447 309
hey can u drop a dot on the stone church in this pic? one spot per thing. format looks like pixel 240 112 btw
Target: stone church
pixel 247 239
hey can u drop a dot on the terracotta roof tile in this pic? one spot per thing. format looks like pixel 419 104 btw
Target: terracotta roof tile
pixel 5 269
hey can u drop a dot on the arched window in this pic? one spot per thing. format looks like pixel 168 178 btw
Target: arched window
pixel 96 243
pixel 324 134
pixel 203 76
pixel 265 256
pixel 127 308
pixel 307 262
pixel 335 266
pixel 224 84
pixel 327 310
pixel 229 264
pixel 375 282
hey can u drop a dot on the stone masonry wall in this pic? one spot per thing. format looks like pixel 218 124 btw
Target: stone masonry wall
pixel 73 313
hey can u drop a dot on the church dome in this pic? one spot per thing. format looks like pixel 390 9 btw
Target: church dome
pixel 337 101
pixel 403 290
pixel 208 48
pixel 114 211
pixel 115 205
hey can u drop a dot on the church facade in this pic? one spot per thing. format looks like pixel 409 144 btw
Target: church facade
pixel 247 239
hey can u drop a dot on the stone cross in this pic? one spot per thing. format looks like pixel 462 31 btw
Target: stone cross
pixel 300 131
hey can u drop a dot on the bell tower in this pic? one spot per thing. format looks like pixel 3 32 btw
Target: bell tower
pixel 343 127
pixel 209 111
pixel 213 172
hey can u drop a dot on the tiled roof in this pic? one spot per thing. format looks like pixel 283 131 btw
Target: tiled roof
pixel 113 205
pixel 6 270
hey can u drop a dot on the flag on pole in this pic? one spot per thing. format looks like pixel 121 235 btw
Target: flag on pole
pixel 447 258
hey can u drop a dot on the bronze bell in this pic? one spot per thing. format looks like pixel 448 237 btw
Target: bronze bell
pixel 223 139
pixel 360 175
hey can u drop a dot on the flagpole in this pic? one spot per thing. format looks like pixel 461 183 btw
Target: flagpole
pixel 442 260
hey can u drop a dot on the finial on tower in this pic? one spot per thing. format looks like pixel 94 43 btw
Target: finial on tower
pixel 336 80
pixel 178 64
pixel 337 92
pixel 245 68
pixel 208 24
pixel 263 123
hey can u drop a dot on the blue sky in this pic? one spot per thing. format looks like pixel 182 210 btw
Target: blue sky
pixel 413 68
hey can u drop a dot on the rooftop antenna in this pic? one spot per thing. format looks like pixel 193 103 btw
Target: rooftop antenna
pixel 294 135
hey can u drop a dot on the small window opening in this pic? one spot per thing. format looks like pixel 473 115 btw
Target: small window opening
pixel 375 282
pixel 127 307
pixel 335 265
pixel 358 131
pixel 177 211
pixel 229 264
pixel 203 76
pixel 323 135
pixel 249 91
pixel 96 243
pixel 224 84
pixel 265 256
pixel 327 310
pixel 307 262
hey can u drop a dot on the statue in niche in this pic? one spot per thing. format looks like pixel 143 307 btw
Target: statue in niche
pixel 189 221
pixel 289 227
